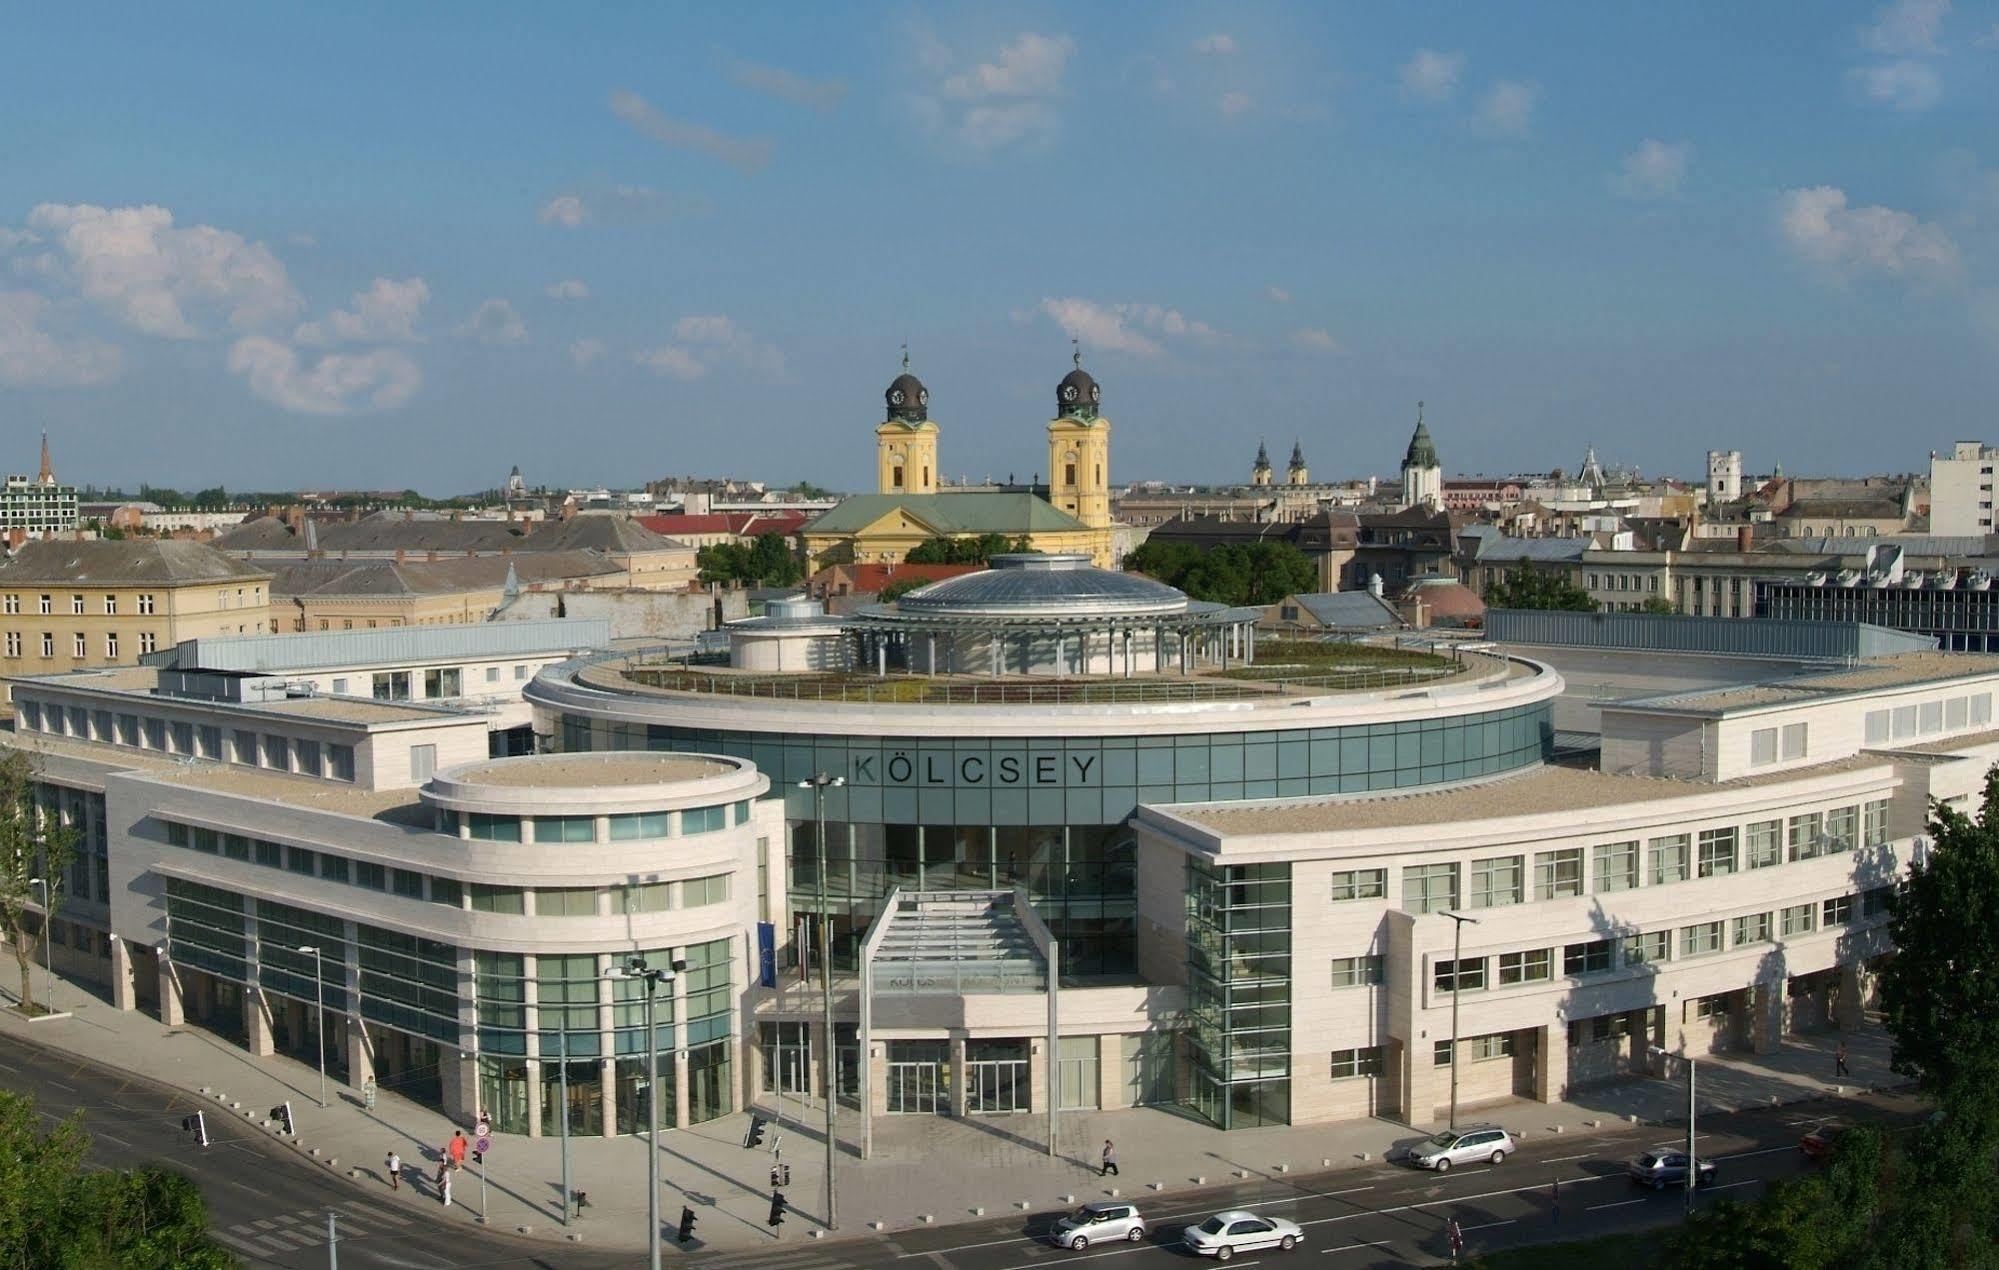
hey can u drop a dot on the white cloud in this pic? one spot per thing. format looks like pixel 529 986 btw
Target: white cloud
pixel 1234 104
pixel 1844 242
pixel 1031 66
pixel 1508 108
pixel 568 289
pixel 1903 85
pixel 387 310
pixel 336 384
pixel 1907 26
pixel 1216 45
pixel 1007 100
pixel 32 357
pixel 703 341
pixel 1316 340
pixel 745 153
pixel 583 352
pixel 135 265
pixel 708 329
pixel 821 95
pixel 566 210
pixel 1277 295
pixel 12 238
pixel 1655 169
pixel 1126 328
pixel 672 361
pixel 1432 76
pixel 495 322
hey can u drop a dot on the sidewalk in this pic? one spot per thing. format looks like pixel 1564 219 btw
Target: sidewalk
pixel 927 1168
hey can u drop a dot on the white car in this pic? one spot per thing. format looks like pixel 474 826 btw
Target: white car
pixel 1103 1222
pixel 1226 1234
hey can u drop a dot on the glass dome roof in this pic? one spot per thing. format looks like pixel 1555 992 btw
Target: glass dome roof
pixel 1043 586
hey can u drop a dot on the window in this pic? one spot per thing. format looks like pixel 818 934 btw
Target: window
pixel 1874 823
pixel 1837 911
pixel 1592 958
pixel 1360 884
pixel 48 606
pixel 1762 747
pixel 340 762
pixel 1752 928
pixel 1842 829
pixel 1496 882
pixel 76 605
pixel 565 829
pixel 333 868
pixel 48 644
pixel 1956 713
pixel 77 648
pixel 1429 888
pixel 156 734
pixel 493 828
pixel 307 755
pixel 1981 709
pixel 1715 1007
pixel 269 854
pixel 176 834
pixel 13 603
pixel 520 672
pixel 1877 732
pixel 1698 941
pixel 443 682
pixel 1717 852
pixel 1929 718
pixel 497 899
pixel 1467 974
pixel 1348 1064
pixel 110 606
pixel 1649 948
pixel 703 820
pixel 644 824
pixel 1793 741
pixel 1798 919
pixel 1874 901
pixel 565 901
pixel 277 753
pixel 1558 873
pixel 492 674
pixel 1357 972
pixel 300 860
pixel 405 883
pixel 13 643
pixel 392 685
pixel 1765 839
pixel 1806 834
pixel 1477 1048
pixel 645 897
pixel 447 891
pixel 110 645
pixel 372 876
pixel 1616 866
pixel 145 604
pixel 183 736
pixel 1669 860
pixel 148 642
pixel 235 846
pixel 1532 966
pixel 697 892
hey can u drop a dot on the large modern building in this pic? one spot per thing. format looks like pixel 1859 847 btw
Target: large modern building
pixel 1080 841
pixel 38 506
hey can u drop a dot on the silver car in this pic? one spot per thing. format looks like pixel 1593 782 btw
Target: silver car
pixel 1102 1222
pixel 1226 1234
pixel 1466 1145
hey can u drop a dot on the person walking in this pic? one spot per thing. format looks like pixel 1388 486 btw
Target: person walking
pixel 1455 1235
pixel 444 1182
pixel 455 1149
pixel 1839 1061
pixel 393 1166
pixel 1109 1168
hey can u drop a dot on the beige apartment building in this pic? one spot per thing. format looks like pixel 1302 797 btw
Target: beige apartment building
pixel 67 605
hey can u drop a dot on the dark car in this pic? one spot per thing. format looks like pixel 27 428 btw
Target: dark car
pixel 1819 1143
pixel 1666 1167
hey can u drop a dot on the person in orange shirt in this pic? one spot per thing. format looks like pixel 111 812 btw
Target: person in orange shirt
pixel 456 1150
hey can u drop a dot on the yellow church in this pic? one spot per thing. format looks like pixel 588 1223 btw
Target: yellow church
pixel 1071 513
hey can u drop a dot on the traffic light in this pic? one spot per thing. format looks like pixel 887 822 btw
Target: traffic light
pixel 282 1113
pixel 686 1224
pixel 777 1207
pixel 755 1137
pixel 197 1125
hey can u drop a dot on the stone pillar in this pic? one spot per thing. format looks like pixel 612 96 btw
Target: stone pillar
pixel 960 1082
pixel 360 1053
pixel 124 995
pixel 534 1074
pixel 257 1024
pixel 678 1073
pixel 607 1094
pixel 459 1074
pixel 1847 1012
pixel 1551 1061
pixel 877 1060
pixel 820 1073
pixel 1038 1092
pixel 1766 1017
pixel 1110 1073
pixel 1424 1084
pixel 171 1011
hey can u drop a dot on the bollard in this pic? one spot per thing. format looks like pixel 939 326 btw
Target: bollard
pixel 1022 1205
pixel 1364 1156
pixel 1157 1186
pixel 1283 1168
pixel 1200 1181
pixel 1068 1199
pixel 522 1230
pixel 1112 1192
pixel 1240 1173
pixel 573 1237
pixel 1557 1129
pixel 206 1090
pixel 332 1161
pixel 1591 1124
pixel 1632 1118
pixel 926 1218
pixel 979 1211
pixel 1327 1162
pixel 877 1225
pixel 815 1234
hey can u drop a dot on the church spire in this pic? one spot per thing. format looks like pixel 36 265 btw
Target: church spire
pixel 47 476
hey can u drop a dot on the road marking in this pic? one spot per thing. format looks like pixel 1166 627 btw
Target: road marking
pixel 1564 1159
pixel 1446 1199
pixel 1365 1243
pixel 59 1085
pixel 1489 1225
pixel 1750 1182
pixel 1621 1204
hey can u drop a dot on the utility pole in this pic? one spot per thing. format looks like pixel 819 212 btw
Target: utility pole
pixel 319 988
pixel 652 977
pixel 332 1241
pixel 562 1080
pixel 1693 1160
pixel 48 964
pixel 1457 977
pixel 829 1061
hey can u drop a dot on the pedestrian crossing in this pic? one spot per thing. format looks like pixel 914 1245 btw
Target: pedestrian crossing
pixel 306 1228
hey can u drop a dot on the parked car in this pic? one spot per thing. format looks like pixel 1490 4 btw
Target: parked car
pixel 1466 1145
pixel 1665 1167
pixel 1226 1234
pixel 1819 1143
pixel 1103 1222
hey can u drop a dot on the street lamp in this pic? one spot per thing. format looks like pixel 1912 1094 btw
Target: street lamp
pixel 1457 979
pixel 48 964
pixel 319 990
pixel 829 1063
pixel 635 967
pixel 1693 1161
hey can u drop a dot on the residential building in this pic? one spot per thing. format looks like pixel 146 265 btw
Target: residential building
pixel 1330 613
pixel 1961 489
pixel 33 508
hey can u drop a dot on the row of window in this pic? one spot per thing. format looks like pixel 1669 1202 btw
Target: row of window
pixel 439 682
pixel 1567 872
pixel 79 646
pixel 1928 718
pixel 1787 742
pixel 184 737
pixel 625 827
pixel 11 603
pixel 563 901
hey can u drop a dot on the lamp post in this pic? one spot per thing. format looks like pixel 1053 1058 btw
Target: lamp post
pixel 48 964
pixel 562 1082
pixel 819 784
pixel 1457 976
pixel 636 968
pixel 319 988
pixel 1693 1161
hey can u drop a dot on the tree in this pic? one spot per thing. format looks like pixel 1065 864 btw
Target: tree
pixel 1260 573
pixel 768 561
pixel 1658 604
pixel 979 550
pixel 36 852
pixel 899 588
pixel 1526 587
pixel 58 1212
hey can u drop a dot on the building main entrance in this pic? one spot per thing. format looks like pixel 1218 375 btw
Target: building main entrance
pixel 996 1077
pixel 919 1078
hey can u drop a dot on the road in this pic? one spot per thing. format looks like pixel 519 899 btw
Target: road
pixel 264 1203
pixel 1382 1216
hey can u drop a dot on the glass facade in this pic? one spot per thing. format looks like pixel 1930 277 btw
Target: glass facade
pixel 1239 992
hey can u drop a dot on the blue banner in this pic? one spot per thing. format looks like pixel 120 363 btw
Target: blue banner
pixel 767 954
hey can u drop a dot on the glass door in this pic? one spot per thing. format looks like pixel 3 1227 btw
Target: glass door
pixel 996 1077
pixel 912 1089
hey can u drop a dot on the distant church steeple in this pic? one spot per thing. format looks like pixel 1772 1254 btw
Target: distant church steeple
pixel 1259 474
pixel 47 476
pixel 1297 471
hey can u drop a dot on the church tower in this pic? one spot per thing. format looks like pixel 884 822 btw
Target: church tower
pixel 1422 474
pixel 1259 475
pixel 1298 473
pixel 1079 450
pixel 906 441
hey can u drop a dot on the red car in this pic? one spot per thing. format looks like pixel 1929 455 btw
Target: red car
pixel 1819 1143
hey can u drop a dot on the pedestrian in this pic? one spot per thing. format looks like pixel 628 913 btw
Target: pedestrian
pixel 1456 1236
pixel 444 1182
pixel 1839 1061
pixel 1555 1201
pixel 394 1167
pixel 455 1149
pixel 1110 1161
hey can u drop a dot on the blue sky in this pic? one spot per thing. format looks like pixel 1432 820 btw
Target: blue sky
pixel 385 245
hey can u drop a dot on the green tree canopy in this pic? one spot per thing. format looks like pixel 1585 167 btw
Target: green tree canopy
pixel 979 550
pixel 36 851
pixel 1259 573
pixel 768 561
pixel 1528 587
